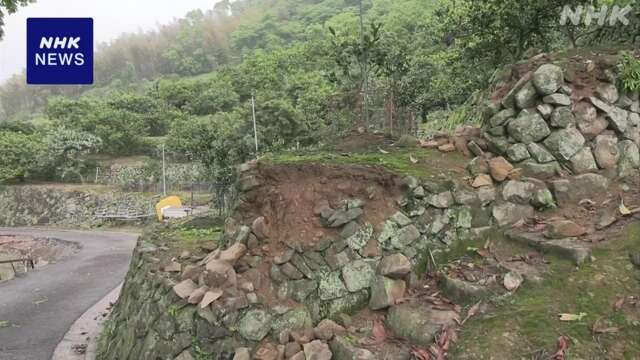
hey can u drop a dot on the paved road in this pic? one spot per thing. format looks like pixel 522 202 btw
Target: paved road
pixel 43 305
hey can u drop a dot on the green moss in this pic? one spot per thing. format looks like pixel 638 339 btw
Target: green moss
pixel 430 163
pixel 528 322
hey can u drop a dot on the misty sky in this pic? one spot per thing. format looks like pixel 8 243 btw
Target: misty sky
pixel 111 18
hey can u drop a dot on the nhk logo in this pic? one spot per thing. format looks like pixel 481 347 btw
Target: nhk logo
pixel 59 51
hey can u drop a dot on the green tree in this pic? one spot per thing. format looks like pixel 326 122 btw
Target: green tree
pixel 9 7
pixel 20 155
pixel 66 152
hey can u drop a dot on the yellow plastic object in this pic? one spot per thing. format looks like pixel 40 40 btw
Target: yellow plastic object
pixel 165 203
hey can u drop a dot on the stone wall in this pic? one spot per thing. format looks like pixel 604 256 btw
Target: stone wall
pixel 64 205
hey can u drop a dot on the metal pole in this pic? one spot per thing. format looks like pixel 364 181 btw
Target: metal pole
pixel 255 128
pixel 164 174
pixel 365 69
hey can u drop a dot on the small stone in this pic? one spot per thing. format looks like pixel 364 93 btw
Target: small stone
pixel 386 292
pixel 565 143
pixel 317 350
pixel 548 78
pixel 233 253
pixel 327 329
pixel 185 288
pixel 358 275
pixel 401 219
pixel 173 267
pixel 197 296
pixel 260 228
pixel 588 121
pixel 342 217
pixel 562 117
pixel 563 229
pixel 509 213
pixel 606 151
pixel 255 325
pixel 477 166
pixel 583 162
pixel 303 336
pixel 512 281
pixel 618 119
pixel 291 271
pixel 447 148
pixel 518 152
pixel 528 127
pixel 482 181
pixel 540 154
pixel 441 201
pixel 557 99
pixel 526 97
pixel 518 191
pixel 607 92
pixel 291 349
pixel 267 352
pixel 284 257
pixel 607 218
pixel 545 110
pixel 331 286
pixel 499 168
pixel 394 266
pixel 242 354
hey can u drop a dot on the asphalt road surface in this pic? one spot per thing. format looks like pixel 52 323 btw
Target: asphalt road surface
pixel 38 309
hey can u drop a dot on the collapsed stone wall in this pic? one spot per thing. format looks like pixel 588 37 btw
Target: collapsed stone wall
pixel 57 205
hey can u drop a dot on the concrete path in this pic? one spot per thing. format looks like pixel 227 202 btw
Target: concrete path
pixel 41 307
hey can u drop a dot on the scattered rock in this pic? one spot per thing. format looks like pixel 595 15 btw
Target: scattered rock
pixel 583 161
pixel 540 154
pixel 386 292
pixel 565 143
pixel 562 117
pixel 342 217
pixel 419 324
pixel 331 286
pixel 518 191
pixel 327 329
pixel 317 350
pixel 518 152
pixel 512 280
pixel 255 325
pixel 358 275
pixel 510 213
pixel 500 168
pixel 242 354
pixel 260 228
pixel 548 79
pixel 233 253
pixel 394 266
pixel 557 99
pixel 441 201
pixel 482 180
pixel 606 151
pixel 185 288
pixel 528 127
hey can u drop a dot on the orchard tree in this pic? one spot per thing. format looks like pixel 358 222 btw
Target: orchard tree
pixel 9 7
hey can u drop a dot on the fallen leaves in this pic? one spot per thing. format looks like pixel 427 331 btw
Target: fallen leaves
pixel 4 324
pixel 625 211
pixel 599 328
pixel 413 160
pixel 473 311
pixel 572 317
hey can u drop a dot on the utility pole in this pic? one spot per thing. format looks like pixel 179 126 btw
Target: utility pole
pixel 364 67
pixel 164 174
pixel 255 128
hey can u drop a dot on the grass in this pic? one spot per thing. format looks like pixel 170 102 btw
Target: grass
pixel 431 163
pixel 527 323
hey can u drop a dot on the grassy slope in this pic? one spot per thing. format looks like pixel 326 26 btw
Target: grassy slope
pixel 527 324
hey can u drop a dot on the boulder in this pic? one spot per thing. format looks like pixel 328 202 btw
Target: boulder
pixel 583 162
pixel 317 350
pixel 344 348
pixel 557 100
pixel 361 237
pixel 331 286
pixel 342 217
pixel 327 329
pixel 563 229
pixel 540 171
pixel 540 154
pixel 496 144
pixel 478 165
pixel 565 143
pixel 509 100
pixel 588 121
pixel 499 168
pixel 358 275
pixel 185 288
pixel 606 151
pixel 526 97
pixel 386 292
pixel 578 188
pixel 528 127
pixel 394 266
pixel 419 324
pixel 482 181
pixel 442 200
pixel 548 79
pixel 562 117
pixel 518 191
pixel 518 152
pixel 618 119
pixel 405 237
pixel 233 253
pixel 255 325
pixel 545 110
pixel 509 213
pixel 629 162
pixel 501 117
pixel 259 228
pixel 607 92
